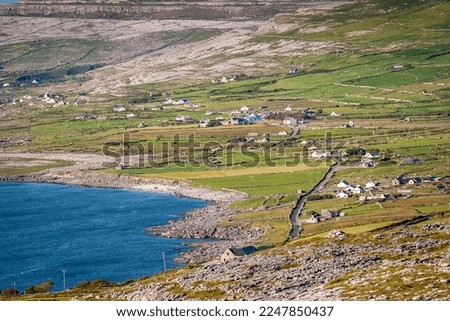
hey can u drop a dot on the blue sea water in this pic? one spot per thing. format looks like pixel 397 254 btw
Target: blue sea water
pixel 91 233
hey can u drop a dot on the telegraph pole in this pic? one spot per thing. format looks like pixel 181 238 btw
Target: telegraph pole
pixel 164 260
pixel 64 279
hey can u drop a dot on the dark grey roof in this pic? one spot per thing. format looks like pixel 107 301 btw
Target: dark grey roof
pixel 243 251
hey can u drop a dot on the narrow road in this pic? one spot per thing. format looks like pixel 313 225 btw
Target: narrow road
pixel 296 211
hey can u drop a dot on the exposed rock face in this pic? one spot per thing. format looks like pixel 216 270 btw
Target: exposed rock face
pixel 124 9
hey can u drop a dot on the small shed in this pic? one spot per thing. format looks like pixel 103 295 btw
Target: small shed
pixel 235 252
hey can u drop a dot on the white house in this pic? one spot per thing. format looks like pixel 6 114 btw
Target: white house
pixel 131 115
pixel 282 133
pixel 342 195
pixel 358 190
pixel 288 108
pixel 291 121
pixel 235 252
pixel 343 184
pixel 208 113
pixel 350 188
pixel 371 184
pixel 372 154
pixel 119 109
pixel 180 118
pixel 244 108
pixel 320 154
pixel 204 123
pixel 414 180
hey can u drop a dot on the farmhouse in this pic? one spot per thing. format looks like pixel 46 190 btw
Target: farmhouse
pixel 204 123
pixel 235 252
pixel 372 154
pixel 291 121
pixel 414 181
pixel 342 195
pixel 343 184
pixel 350 188
pixel 358 190
pixel 180 118
pixel 239 121
pixel 399 181
pixel 366 163
pixel 118 109
pixel 327 214
pixel 371 184
pixel 320 154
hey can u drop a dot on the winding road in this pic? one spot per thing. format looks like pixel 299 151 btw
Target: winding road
pixel 296 211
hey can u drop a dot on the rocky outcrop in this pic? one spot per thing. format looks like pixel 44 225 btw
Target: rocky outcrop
pixel 216 9
pixel 371 266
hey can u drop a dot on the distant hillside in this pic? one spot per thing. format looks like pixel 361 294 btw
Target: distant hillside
pixel 124 9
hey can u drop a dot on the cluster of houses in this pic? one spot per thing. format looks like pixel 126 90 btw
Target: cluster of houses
pixel 121 109
pixel 348 189
pixel 246 120
pixel 413 180
pixel 7 84
pixel 87 116
pixel 368 159
pixel 182 101
pixel 55 100
pixel 48 99
pixel 294 121
pixel 225 80
pixel 184 119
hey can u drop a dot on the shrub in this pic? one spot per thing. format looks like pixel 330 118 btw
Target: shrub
pixel 355 151
pixel 40 288
pixel 319 197
pixel 9 293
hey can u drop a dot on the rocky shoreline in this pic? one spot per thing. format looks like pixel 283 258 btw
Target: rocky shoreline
pixel 203 223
